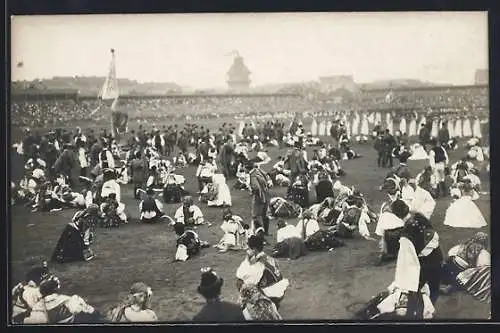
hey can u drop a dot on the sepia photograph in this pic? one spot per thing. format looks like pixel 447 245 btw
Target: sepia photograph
pixel 249 167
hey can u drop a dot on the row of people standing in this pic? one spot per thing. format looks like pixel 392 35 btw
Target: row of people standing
pixel 465 127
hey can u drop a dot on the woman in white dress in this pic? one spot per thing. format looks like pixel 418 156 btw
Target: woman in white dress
pixel 365 129
pixel 82 158
pixel 476 128
pixel 458 128
pixel 435 128
pixel 402 124
pixel 328 127
pixel 463 212
pixel 240 129
pixel 321 128
pixel 378 117
pixel 467 130
pixel 371 118
pixel 451 129
pixel 314 127
pixel 412 131
pixel 355 124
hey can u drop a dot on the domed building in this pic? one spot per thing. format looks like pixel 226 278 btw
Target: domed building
pixel 238 76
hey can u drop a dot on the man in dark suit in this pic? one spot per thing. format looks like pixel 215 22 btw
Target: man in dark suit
pixel 259 184
pixel 389 144
pixel 444 134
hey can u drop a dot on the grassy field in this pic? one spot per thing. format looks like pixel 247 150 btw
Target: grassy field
pixel 323 284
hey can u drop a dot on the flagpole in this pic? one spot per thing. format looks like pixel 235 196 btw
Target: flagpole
pixel 113 105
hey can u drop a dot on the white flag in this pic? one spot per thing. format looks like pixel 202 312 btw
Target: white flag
pixel 109 90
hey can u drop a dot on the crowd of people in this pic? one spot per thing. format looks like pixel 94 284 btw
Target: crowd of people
pixel 85 170
pixel 52 112
pixel 469 97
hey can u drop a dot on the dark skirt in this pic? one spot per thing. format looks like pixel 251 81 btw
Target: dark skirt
pixel 414 305
pixel 291 248
pixel 331 218
pixel 286 209
pixel 430 272
pixel 172 193
pixel 323 240
pixel 391 238
pixel 345 231
pixel 324 190
pixel 70 246
pixel 299 195
pixel 369 310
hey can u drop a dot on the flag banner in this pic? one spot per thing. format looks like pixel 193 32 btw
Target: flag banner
pixel 108 98
pixel 109 90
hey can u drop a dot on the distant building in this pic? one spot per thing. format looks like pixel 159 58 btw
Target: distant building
pixel 330 84
pixel 238 76
pixel 482 76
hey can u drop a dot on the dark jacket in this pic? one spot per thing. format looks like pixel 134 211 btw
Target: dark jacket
pixel 220 311
pixel 444 135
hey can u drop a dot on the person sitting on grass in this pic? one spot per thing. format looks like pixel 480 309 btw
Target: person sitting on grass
pixel 113 212
pixel 463 212
pixel 136 308
pixel 280 207
pixel 151 209
pixel 189 214
pixel 353 217
pixel 256 305
pixel 261 270
pixel 468 267
pixel 289 242
pixel 57 308
pixel 307 224
pixel 234 232
pixel 188 242
pixel 26 294
pixel 215 310
pixel 76 238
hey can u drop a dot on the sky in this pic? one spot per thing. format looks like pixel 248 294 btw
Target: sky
pixel 192 49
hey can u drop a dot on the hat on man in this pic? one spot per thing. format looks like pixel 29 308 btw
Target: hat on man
pixel 255 242
pixel 210 283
